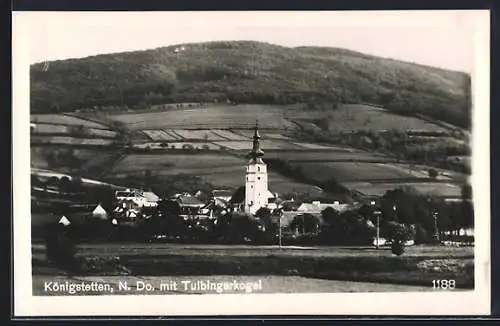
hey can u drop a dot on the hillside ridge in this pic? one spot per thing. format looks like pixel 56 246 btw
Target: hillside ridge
pixel 249 72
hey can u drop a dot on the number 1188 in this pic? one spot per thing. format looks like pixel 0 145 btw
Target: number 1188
pixel 443 284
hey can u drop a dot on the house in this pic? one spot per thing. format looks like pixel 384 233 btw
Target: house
pixel 317 207
pixel 64 221
pixel 138 198
pixel 222 194
pixel 152 199
pixel 99 212
pixel 190 205
pixel 468 232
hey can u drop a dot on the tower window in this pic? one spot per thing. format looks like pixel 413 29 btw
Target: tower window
pixel 251 187
pixel 258 168
pixel 258 178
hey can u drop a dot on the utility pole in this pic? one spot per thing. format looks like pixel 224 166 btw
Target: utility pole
pixel 377 243
pixel 436 230
pixel 279 232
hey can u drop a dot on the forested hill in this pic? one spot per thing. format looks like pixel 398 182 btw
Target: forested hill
pixel 249 72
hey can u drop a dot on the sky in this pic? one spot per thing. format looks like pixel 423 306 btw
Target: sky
pixel 442 39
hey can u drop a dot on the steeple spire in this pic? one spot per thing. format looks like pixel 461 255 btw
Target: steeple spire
pixel 256 153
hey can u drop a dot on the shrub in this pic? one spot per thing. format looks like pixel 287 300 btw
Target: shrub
pixel 61 250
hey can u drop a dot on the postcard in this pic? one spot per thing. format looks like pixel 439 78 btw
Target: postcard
pixel 251 163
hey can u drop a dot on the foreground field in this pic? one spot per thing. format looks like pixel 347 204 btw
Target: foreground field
pixel 265 284
pixel 419 266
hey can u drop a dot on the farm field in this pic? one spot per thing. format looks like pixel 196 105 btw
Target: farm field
pixel 353 264
pixel 174 163
pixel 204 134
pixel 358 171
pixel 43 129
pixel 277 183
pixel 64 140
pixel 356 116
pixel 216 117
pixel 265 144
pixel 330 155
pixel 220 170
pixel 185 145
pixel 378 189
pixel 161 135
pixel 64 120
pixel 248 134
pixel 323 146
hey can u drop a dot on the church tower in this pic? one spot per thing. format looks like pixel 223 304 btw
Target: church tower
pixel 256 192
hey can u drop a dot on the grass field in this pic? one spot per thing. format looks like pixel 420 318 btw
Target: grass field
pixel 356 264
pixel 71 140
pixel 355 116
pixel 331 155
pixel 217 169
pixel 248 133
pixel 431 188
pixel 356 171
pixel 64 120
pixel 215 117
pixel 265 144
pixel 171 163
pixel 201 145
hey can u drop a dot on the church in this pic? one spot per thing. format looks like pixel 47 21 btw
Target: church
pixel 257 194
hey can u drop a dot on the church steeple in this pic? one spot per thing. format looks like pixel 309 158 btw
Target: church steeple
pixel 256 153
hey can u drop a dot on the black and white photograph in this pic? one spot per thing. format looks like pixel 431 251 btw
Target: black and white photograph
pixel 251 162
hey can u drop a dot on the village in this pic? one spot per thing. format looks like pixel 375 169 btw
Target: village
pixel 251 213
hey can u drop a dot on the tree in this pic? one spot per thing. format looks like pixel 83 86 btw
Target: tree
pixel 305 223
pixel 35 181
pixel 169 207
pixel 330 215
pixel 433 173
pixel 65 184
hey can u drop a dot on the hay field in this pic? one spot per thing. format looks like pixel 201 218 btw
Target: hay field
pixel 357 116
pixel 64 120
pixel 216 117
pixel 430 188
pixel 160 135
pixel 64 140
pixel 175 163
pixel 356 171
pixel 265 144
pixel 248 133
pixel 185 145
pixel 330 155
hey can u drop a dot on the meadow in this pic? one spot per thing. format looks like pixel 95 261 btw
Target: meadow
pixel 361 264
pixel 429 188
pixel 66 140
pixel 265 144
pixel 65 120
pixel 357 171
pixel 224 134
pixel 330 155
pixel 215 117
pixel 350 117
